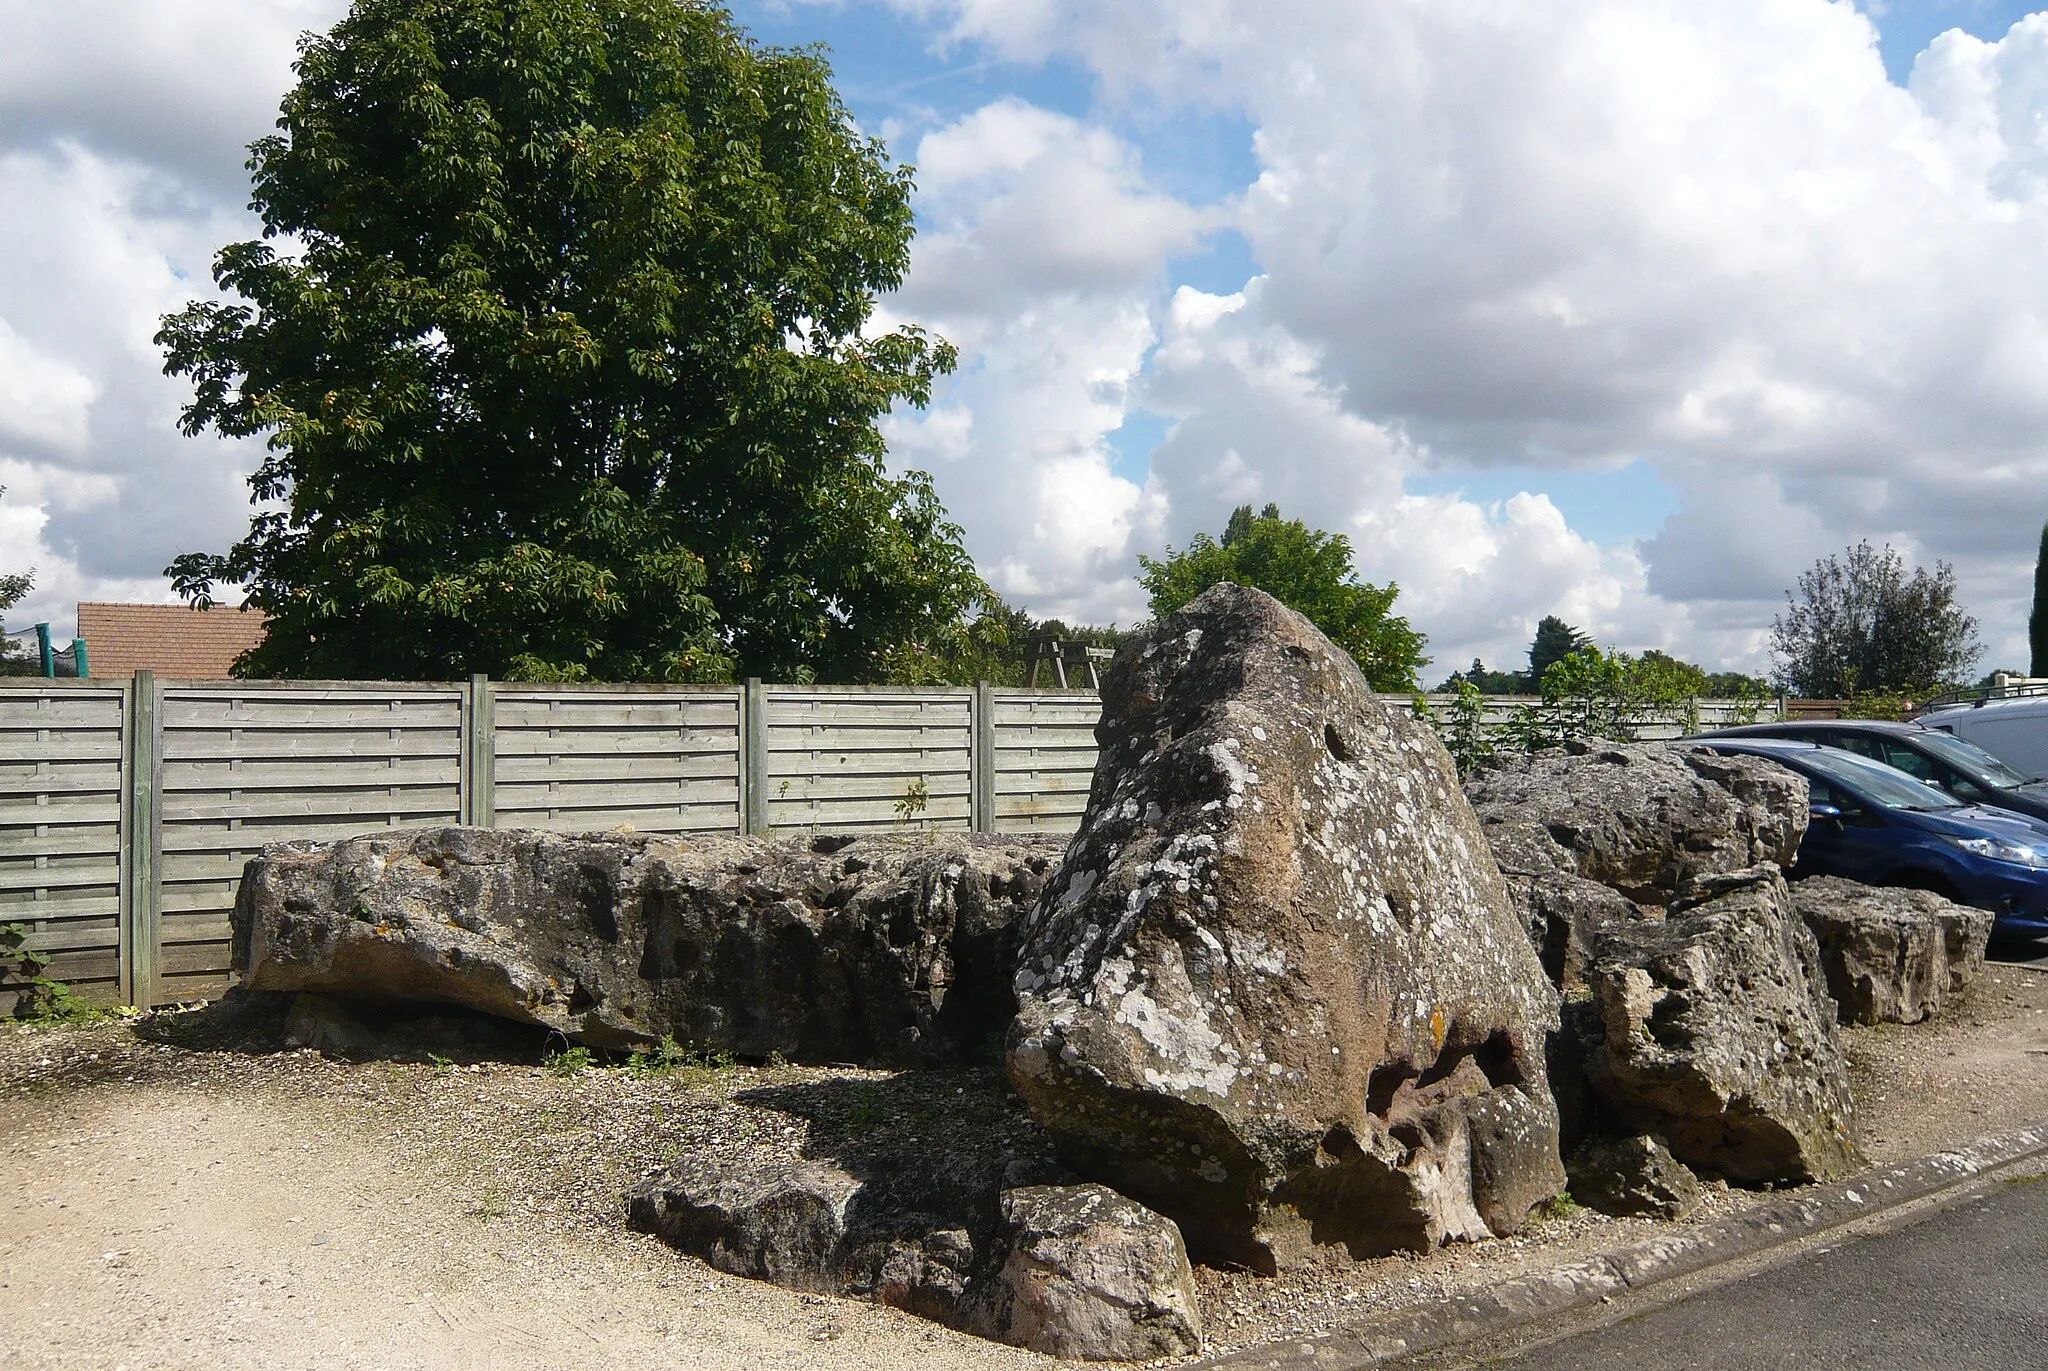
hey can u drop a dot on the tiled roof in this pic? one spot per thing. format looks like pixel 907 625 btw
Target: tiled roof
pixel 172 640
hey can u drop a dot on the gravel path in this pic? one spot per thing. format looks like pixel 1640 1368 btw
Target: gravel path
pixel 187 1195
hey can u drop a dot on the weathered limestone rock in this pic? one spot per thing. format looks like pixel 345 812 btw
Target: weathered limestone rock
pixel 1633 1177
pixel 1565 916
pixel 1069 1270
pixel 1277 991
pixel 773 1223
pixel 1719 1038
pixel 1093 1276
pixel 1644 818
pixel 886 950
pixel 1891 955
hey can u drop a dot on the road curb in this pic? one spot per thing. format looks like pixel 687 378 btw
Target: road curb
pixel 1682 1252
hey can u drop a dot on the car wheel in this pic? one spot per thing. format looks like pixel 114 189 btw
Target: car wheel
pixel 1927 880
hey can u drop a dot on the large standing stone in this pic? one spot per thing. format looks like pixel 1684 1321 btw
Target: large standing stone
pixel 1644 818
pixel 1276 992
pixel 1719 1037
pixel 887 950
pixel 1092 1276
pixel 1891 955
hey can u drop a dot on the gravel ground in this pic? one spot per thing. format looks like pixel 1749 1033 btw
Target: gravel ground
pixel 186 1190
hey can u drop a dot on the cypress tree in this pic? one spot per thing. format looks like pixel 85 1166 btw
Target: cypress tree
pixel 2037 622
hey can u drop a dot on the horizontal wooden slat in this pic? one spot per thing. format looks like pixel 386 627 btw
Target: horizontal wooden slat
pixel 197 927
pixel 62 747
pixel 79 968
pixel 520 799
pixel 617 767
pixel 346 773
pixel 19 788
pixel 289 747
pixel 20 906
pixel 848 714
pixel 696 714
pixel 410 800
pixel 58 877
pixel 98 935
pixel 709 819
pixel 105 842
pixel 19 712
pixel 536 744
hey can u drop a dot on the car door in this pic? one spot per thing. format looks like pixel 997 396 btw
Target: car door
pixel 1853 846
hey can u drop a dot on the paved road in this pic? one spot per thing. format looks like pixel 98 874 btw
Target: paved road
pixel 1963 1290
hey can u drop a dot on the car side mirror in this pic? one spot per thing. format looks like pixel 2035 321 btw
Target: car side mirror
pixel 1826 812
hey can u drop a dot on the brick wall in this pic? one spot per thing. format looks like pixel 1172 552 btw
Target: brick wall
pixel 174 641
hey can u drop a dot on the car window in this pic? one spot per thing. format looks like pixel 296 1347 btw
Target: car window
pixel 1970 759
pixel 1818 792
pixel 1880 784
pixel 1907 760
pixel 1862 744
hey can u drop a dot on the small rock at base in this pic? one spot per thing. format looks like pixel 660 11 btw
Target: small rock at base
pixel 1633 1178
pixel 1092 1275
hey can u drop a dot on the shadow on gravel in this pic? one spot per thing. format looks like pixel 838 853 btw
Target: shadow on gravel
pixel 938 1141
pixel 263 1023
pixel 2026 950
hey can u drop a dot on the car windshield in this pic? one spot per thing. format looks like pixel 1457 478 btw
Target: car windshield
pixel 1885 786
pixel 1970 759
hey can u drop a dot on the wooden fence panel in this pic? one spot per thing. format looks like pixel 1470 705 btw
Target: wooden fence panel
pixel 61 827
pixel 246 764
pixel 1045 759
pixel 854 758
pixel 664 761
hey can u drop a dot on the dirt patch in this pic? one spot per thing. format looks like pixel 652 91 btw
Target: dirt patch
pixel 211 1199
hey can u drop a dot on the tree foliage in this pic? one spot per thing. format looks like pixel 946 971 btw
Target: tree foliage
pixel 1486 681
pixel 15 659
pixel 1305 569
pixel 1860 623
pixel 556 338
pixel 2037 618
pixel 1555 640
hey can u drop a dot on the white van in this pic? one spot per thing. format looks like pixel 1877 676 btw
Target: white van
pixel 2014 730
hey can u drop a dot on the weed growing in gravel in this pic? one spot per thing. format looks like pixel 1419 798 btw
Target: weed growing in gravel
pixel 1561 1206
pixel 38 999
pixel 570 1061
pixel 867 1108
pixel 490 1205
pixel 670 1058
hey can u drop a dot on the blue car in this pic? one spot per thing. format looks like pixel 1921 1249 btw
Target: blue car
pixel 1875 824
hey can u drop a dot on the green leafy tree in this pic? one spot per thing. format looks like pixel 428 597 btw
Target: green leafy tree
pixel 1860 623
pixel 557 338
pixel 15 659
pixel 1555 640
pixel 1485 681
pixel 1305 569
pixel 2037 620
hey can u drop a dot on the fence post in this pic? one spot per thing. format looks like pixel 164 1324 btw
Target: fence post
pixel 981 760
pixel 479 805
pixel 754 759
pixel 141 834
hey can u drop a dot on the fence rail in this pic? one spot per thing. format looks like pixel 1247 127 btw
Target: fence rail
pixel 128 809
